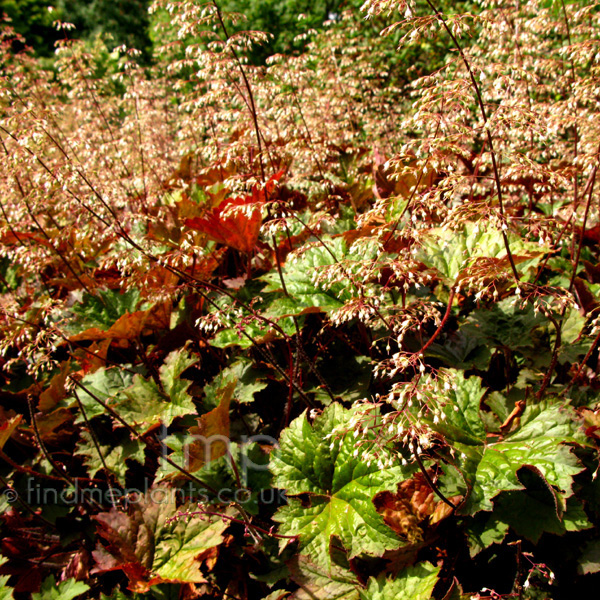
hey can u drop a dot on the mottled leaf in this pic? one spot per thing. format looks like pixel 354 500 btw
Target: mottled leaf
pixel 317 583
pixel 144 404
pixel 104 384
pixel 151 545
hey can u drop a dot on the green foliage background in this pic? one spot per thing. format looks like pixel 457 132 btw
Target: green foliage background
pixel 385 320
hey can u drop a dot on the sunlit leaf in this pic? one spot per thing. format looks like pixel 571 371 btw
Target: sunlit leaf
pixel 63 590
pixel 453 253
pixel 235 222
pixel 412 583
pixel 338 489
pixel 491 465
pixel 6 592
pixel 299 273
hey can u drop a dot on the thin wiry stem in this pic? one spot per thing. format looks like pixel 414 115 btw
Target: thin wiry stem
pixel 434 488
pixel 253 111
pixel 90 430
pixel 440 17
pixel 161 455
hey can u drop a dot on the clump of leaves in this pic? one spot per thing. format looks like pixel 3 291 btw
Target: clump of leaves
pixel 305 329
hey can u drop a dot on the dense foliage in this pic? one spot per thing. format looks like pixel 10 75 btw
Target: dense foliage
pixel 32 20
pixel 118 21
pixel 312 329
pixel 289 23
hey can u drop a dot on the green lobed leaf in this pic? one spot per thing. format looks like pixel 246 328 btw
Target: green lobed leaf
pixel 178 544
pixel 298 274
pixel 248 383
pixel 489 463
pixel 170 374
pixel 63 590
pixel 139 401
pixel 461 409
pixel 105 384
pixel 572 327
pixel 538 442
pixel 452 251
pixel 413 583
pixel 319 461
pixel 6 592
pixel 257 331
pixel 102 310
pixel 143 404
pixel 115 454
pixel 230 337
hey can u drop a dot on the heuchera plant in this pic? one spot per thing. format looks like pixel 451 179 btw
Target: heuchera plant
pixel 325 328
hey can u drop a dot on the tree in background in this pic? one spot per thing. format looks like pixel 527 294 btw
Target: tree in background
pixel 289 23
pixel 125 21
pixel 120 21
pixel 285 20
pixel 128 22
pixel 32 20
